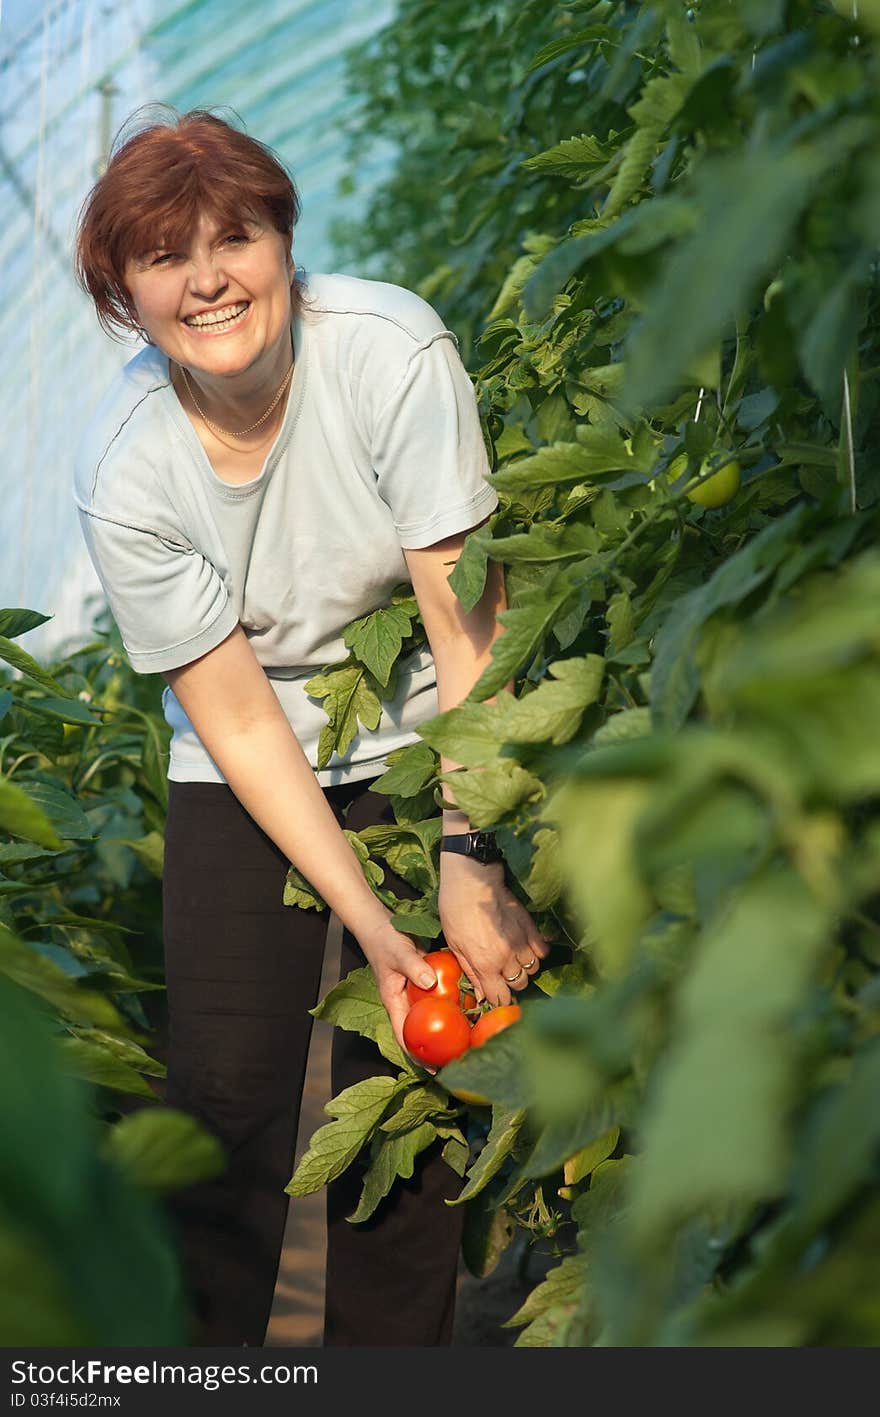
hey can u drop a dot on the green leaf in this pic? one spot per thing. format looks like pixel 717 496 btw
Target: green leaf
pixel 155 754
pixel 675 675
pixel 455 1153
pixel 298 892
pixel 659 102
pixel 35 1305
pixel 18 622
pixel 90 922
pixel 597 451
pixel 573 157
pixel 683 43
pixel 713 272
pixel 545 542
pixel 124 1050
pixel 867 12
pixel 828 339
pixel 377 638
pixel 68 710
pixel 421 1102
pixel 468 576
pixel 472 734
pixel 588 1157
pixel 356 1112
pixel 488 793
pixel 163 1149
pixel 95 1063
pixel 525 629
pixel 20 659
pixel 502 1138
pixel 395 1156
pixel 488 1230
pixel 348 700
pixel 551 1305
pixel 621 726
pixel 495 1071
pixel 600 862
pixel 412 768
pixel 45 979
pixel 554 710
pixel 150 850
pixel 408 849
pixel 718 1127
pixel 417 922
pixel 841 1142
pixel 586 1134
pixel 354 1004
pixel 21 815
pixel 544 881
pixel 63 810
pixel 563 45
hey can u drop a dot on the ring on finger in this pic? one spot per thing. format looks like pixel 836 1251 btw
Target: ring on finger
pixel 519 973
pixel 533 961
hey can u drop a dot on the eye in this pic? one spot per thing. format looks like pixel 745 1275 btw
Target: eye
pixel 236 236
pixel 165 256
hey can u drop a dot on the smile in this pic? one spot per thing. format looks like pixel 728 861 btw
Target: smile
pixel 217 322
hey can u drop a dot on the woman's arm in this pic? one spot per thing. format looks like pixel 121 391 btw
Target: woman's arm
pixel 483 922
pixel 236 714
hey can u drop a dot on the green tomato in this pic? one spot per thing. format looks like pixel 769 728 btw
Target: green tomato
pixel 715 491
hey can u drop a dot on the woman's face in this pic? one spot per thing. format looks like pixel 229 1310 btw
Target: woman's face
pixel 239 276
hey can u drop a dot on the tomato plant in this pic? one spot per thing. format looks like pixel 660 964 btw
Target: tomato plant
pixel 435 1031
pixel 451 983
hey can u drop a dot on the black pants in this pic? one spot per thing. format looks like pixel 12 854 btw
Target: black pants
pixel 242 969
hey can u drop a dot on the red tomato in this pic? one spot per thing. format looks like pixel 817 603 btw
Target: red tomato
pixel 435 1031
pixel 448 972
pixel 494 1022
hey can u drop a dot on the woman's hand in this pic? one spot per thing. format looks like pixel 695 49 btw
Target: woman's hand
pixel 491 934
pixel 395 960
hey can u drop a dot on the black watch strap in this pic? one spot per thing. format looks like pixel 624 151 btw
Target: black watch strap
pixel 481 845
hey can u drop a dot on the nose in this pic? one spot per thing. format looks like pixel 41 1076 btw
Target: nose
pixel 206 279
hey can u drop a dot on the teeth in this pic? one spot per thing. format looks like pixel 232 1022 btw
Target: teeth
pixel 217 317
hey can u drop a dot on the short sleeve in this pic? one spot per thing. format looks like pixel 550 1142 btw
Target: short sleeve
pixel 428 450
pixel 169 602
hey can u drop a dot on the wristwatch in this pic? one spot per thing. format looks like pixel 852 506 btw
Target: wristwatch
pixel 481 845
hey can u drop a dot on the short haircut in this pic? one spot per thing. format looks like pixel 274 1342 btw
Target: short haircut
pixel 157 183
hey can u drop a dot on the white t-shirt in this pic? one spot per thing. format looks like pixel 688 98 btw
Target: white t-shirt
pixel 380 449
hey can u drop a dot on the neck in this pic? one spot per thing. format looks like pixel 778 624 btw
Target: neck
pixel 235 400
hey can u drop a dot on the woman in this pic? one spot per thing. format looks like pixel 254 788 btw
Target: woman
pixel 281 454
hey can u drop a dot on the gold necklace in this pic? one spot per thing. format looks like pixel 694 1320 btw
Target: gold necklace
pixel 215 428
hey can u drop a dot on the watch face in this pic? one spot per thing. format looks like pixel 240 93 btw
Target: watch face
pixel 483 847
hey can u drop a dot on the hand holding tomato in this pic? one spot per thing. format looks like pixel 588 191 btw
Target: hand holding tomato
pixel 493 936
pixel 395 963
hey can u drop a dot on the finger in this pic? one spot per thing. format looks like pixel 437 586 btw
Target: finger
pixel 500 992
pixel 473 974
pixel 407 959
pixel 396 1006
pixel 518 977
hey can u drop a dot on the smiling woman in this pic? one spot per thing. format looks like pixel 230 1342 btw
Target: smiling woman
pixel 284 453
pixel 207 257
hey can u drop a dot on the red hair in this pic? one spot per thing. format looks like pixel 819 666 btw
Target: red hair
pixel 153 190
